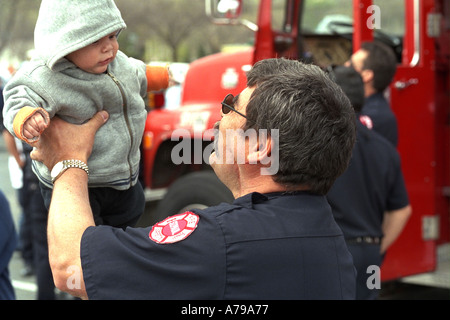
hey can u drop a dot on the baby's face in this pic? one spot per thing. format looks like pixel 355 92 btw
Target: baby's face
pixel 96 57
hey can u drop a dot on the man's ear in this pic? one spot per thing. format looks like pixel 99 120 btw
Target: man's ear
pixel 367 75
pixel 260 151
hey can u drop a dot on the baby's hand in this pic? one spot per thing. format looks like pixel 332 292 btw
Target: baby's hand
pixel 34 126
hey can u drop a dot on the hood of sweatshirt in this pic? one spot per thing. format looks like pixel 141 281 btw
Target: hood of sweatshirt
pixel 64 26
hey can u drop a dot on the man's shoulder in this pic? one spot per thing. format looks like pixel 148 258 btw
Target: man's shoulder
pixel 375 141
pixel 377 104
pixel 217 210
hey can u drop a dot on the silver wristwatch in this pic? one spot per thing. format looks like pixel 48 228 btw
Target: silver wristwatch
pixel 62 166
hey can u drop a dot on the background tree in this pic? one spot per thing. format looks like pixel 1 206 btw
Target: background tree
pixel 179 26
pixel 169 30
pixel 17 20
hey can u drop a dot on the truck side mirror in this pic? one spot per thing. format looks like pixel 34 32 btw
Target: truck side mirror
pixel 223 10
pixel 227 12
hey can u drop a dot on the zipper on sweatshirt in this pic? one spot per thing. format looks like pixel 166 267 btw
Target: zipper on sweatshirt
pixel 127 121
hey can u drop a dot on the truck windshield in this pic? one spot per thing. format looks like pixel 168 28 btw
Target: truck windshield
pixel 336 17
pixel 327 28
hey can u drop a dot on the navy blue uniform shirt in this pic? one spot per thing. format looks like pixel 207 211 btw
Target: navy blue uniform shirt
pixel 372 184
pixel 272 246
pixel 2 127
pixel 8 237
pixel 8 242
pixel 383 118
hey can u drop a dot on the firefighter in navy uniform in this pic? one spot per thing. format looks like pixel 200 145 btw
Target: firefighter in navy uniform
pixel 277 240
pixel 263 246
pixel 369 200
pixel 377 64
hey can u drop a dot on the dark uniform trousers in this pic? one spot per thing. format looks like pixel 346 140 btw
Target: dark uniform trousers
pixel 366 255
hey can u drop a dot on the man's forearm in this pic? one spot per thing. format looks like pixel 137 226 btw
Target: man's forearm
pixel 11 146
pixel 393 224
pixel 69 216
pixel 70 212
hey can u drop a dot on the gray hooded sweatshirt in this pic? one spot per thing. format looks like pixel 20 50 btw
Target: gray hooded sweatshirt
pixel 54 83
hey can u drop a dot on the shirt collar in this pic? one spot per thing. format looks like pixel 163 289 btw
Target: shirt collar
pixel 250 199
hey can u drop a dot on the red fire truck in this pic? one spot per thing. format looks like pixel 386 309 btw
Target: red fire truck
pixel 323 32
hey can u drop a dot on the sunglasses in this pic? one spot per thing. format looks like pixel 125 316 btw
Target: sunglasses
pixel 227 106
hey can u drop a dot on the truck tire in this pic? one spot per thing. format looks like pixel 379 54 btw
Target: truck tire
pixel 197 190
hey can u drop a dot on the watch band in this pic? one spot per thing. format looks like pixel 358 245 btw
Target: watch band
pixel 66 164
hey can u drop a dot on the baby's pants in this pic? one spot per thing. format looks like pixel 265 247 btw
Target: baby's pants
pixel 117 208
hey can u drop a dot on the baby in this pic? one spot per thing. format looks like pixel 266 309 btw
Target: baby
pixel 79 70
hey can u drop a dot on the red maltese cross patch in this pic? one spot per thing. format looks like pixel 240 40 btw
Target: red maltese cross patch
pixel 367 121
pixel 174 228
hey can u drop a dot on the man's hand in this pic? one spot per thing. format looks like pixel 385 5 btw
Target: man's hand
pixel 63 140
